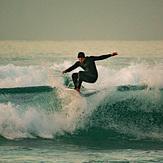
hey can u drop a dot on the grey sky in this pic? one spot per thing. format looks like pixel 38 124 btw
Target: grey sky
pixel 81 20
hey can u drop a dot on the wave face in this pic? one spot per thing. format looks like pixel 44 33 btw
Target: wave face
pixel 137 114
pixel 54 112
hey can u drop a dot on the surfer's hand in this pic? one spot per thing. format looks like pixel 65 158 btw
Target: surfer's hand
pixel 63 72
pixel 114 53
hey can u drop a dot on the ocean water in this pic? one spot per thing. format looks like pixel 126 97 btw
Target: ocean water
pixel 121 123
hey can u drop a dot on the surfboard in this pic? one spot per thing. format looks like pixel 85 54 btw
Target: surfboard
pixel 82 94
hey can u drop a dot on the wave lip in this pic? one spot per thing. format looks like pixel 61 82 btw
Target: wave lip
pixel 23 90
pixel 135 87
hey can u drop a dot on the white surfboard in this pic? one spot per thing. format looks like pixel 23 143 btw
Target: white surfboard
pixel 82 94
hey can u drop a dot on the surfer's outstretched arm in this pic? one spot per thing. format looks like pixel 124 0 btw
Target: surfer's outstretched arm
pixel 96 58
pixel 71 68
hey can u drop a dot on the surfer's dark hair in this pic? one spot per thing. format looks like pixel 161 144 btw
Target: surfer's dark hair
pixel 81 55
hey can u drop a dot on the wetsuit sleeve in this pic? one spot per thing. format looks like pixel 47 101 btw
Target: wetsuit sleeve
pixel 96 58
pixel 73 67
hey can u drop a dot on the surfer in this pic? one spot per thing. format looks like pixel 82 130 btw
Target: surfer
pixel 90 73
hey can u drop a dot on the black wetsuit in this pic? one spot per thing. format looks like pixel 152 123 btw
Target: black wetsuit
pixel 90 73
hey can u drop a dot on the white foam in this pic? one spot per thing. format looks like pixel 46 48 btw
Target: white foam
pixel 16 76
pixel 27 121
pixel 140 73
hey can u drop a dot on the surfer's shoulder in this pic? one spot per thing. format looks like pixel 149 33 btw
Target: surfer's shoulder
pixel 89 57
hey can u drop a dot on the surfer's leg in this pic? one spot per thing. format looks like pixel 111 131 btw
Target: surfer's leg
pixel 86 77
pixel 75 78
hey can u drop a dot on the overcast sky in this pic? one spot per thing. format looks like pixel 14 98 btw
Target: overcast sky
pixel 81 20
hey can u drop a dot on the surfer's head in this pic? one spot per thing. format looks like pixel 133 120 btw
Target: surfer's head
pixel 81 57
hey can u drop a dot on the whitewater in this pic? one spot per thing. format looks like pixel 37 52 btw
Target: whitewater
pixel 42 122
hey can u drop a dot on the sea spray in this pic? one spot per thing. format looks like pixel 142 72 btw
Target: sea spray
pixel 16 76
pixel 41 117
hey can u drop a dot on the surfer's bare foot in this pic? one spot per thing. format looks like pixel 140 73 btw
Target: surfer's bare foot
pixel 77 89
